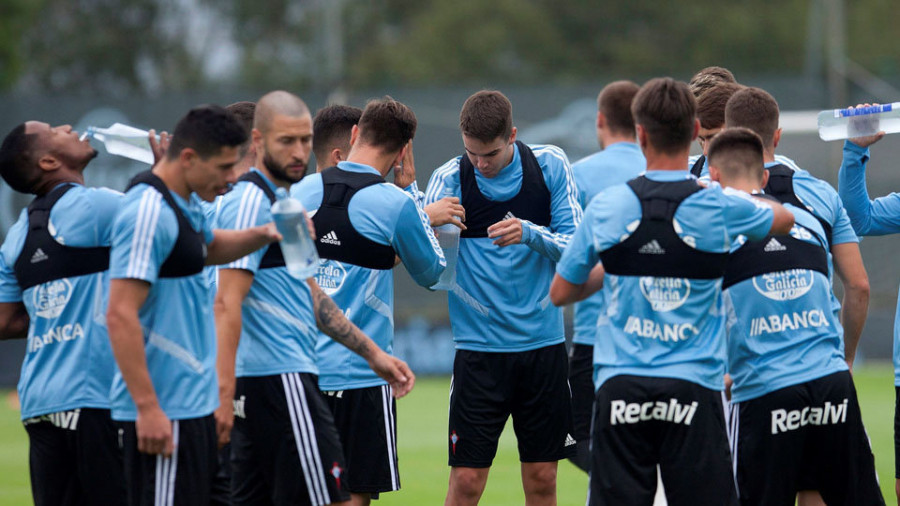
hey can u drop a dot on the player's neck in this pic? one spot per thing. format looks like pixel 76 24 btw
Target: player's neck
pixel 172 175
pixel 769 155
pixel 745 185
pixel 657 160
pixel 58 178
pixel 373 157
pixel 607 139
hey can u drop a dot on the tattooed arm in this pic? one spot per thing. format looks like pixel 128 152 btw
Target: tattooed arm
pixel 332 321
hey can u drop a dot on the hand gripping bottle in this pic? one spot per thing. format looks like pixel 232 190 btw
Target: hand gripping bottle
pixel 297 246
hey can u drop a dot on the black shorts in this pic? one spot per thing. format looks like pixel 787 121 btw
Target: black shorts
pixel 530 385
pixel 366 422
pixel 804 437
pixel 74 458
pixel 185 478
pixel 284 446
pixel 641 422
pixel 581 380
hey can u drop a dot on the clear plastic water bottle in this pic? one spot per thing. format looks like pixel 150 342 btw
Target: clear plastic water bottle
pixel 297 247
pixel 837 124
pixel 448 239
pixel 123 140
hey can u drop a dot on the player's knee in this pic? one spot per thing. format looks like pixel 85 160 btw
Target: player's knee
pixel 539 479
pixel 467 482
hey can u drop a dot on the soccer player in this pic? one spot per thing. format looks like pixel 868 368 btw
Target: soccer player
pixel 659 352
pixel 785 357
pixel 285 449
pixel 619 161
pixel 364 223
pixel 711 113
pixel 877 216
pixel 53 286
pixel 160 312
pixel 757 110
pixel 521 208
pixel 709 77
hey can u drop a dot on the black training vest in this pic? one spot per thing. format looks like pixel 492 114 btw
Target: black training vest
pixel 272 257
pixel 654 248
pixel 697 168
pixel 337 239
pixel 43 259
pixel 188 255
pixel 781 186
pixel 775 253
pixel 532 203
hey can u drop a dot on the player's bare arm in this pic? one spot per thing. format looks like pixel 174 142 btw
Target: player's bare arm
pixel 230 245
pixel 232 288
pixel 154 430
pixel 13 320
pixel 848 265
pixel 332 321
pixel 563 292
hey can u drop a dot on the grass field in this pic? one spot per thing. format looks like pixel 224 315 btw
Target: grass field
pixel 422 426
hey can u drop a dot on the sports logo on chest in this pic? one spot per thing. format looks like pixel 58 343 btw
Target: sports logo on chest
pixel 665 294
pixel 50 298
pixel 330 276
pixel 784 285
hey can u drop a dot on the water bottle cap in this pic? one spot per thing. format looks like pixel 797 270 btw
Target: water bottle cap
pixel 281 194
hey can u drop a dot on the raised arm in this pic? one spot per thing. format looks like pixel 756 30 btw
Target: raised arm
pixel 230 245
pixel 332 321
pixel 869 217
pixel 126 296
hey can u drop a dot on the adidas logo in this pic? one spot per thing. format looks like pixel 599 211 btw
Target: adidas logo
pixel 39 256
pixel 331 238
pixel 569 440
pixel 508 215
pixel 652 248
pixel 774 245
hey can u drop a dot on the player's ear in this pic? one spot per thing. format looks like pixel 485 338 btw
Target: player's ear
pixel 765 178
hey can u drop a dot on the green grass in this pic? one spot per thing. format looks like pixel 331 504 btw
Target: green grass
pixel 422 427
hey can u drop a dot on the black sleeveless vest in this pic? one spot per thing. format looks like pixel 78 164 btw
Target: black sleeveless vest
pixel 654 249
pixel 337 239
pixel 697 168
pixel 532 203
pixel 43 259
pixel 781 186
pixel 188 255
pixel 272 257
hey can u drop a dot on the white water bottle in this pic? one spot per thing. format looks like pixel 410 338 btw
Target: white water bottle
pixel 297 247
pixel 448 239
pixel 837 124
pixel 123 140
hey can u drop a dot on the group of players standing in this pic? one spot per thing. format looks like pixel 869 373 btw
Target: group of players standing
pixel 140 361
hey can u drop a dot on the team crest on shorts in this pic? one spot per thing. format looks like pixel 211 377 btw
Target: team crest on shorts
pixel 784 285
pixel 336 471
pixel 330 276
pixel 453 440
pixel 665 294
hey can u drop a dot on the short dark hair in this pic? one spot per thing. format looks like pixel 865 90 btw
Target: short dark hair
pixel 243 112
pixel 331 128
pixel 206 129
pixel 756 109
pixel 711 104
pixel 387 124
pixel 18 166
pixel 486 115
pixel 738 152
pixel 614 102
pixel 666 110
pixel 709 77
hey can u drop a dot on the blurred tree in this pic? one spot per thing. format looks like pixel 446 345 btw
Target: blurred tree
pixel 16 16
pixel 107 46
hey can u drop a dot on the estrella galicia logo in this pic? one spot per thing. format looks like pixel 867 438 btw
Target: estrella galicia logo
pixel 665 294
pixel 784 285
pixel 330 276
pixel 50 298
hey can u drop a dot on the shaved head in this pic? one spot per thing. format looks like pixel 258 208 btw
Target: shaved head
pixel 277 103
